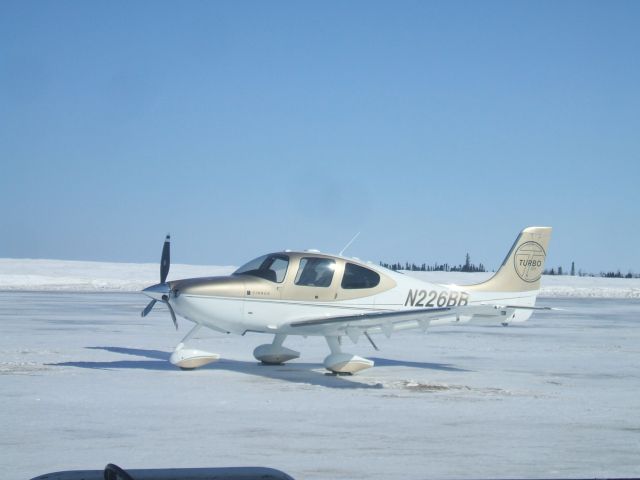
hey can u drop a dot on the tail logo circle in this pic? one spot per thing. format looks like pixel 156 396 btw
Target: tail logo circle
pixel 529 261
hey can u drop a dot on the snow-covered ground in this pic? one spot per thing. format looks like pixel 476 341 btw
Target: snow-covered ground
pixel 552 285
pixel 84 380
pixel 74 276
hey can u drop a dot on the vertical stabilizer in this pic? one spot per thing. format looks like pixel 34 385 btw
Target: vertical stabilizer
pixel 523 266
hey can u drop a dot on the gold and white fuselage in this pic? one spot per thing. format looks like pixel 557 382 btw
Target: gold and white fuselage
pixel 310 293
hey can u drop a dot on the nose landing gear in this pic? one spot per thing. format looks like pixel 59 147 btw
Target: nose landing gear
pixel 190 358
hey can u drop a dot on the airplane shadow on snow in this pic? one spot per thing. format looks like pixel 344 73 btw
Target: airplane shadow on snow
pixel 296 372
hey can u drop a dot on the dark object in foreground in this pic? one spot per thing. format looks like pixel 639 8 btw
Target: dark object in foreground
pixel 113 472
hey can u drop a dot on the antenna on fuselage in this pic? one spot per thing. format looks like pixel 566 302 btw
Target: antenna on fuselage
pixel 349 244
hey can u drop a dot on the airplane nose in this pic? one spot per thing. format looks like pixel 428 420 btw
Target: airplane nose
pixel 157 291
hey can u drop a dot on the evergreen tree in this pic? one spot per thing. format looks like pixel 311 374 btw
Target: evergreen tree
pixel 573 269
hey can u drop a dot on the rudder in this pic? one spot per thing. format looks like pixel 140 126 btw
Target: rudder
pixel 523 265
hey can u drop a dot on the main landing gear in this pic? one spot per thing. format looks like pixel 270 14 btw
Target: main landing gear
pixel 271 354
pixel 190 358
pixel 340 362
pixel 337 362
pixel 274 353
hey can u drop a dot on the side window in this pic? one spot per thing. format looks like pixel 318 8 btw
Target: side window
pixel 279 266
pixel 315 272
pixel 356 276
pixel 270 267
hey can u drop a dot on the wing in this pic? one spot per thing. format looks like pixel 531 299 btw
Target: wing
pixel 388 321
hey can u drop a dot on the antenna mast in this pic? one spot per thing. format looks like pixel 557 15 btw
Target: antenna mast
pixel 349 244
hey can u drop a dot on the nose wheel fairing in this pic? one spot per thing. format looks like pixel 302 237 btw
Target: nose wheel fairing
pixel 190 358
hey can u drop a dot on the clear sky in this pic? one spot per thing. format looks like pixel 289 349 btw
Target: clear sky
pixel 434 128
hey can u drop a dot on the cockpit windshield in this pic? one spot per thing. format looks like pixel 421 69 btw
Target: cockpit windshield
pixel 271 267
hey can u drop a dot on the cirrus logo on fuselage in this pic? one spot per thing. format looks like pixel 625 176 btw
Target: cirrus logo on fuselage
pixel 529 261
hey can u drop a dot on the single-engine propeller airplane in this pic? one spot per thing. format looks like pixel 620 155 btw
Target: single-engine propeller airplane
pixel 311 293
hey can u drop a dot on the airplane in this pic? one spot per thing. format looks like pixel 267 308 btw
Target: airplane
pixel 310 293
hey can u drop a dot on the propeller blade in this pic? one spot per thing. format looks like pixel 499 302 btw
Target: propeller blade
pixel 148 308
pixel 173 314
pixel 165 260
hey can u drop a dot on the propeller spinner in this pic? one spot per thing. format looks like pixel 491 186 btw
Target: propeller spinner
pixel 162 290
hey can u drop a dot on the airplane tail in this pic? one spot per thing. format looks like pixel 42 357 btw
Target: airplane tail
pixel 523 266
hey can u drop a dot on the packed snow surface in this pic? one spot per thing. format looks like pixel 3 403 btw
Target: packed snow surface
pixel 74 276
pixel 84 381
pixel 551 285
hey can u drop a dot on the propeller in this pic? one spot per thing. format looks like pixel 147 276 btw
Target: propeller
pixel 163 287
pixel 148 308
pixel 165 259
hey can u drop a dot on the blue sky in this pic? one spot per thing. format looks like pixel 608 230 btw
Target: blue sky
pixel 434 128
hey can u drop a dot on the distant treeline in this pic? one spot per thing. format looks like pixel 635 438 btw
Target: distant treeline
pixel 580 273
pixel 617 274
pixel 470 267
pixel 436 267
